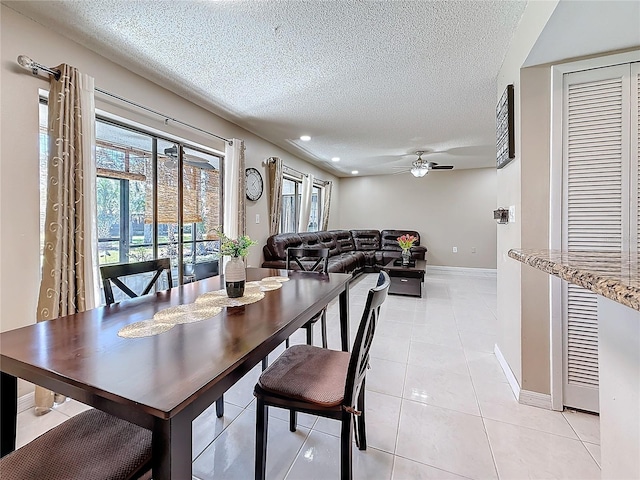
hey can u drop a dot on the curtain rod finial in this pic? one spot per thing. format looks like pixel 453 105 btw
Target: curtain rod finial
pixel 25 62
pixel 28 64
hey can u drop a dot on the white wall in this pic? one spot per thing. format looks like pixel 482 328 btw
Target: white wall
pixel 448 208
pixel 510 180
pixel 19 181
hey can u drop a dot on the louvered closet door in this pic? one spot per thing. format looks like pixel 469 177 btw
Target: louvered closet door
pixel 595 208
pixel 635 162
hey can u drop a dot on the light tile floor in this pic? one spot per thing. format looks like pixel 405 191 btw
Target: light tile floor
pixel 438 404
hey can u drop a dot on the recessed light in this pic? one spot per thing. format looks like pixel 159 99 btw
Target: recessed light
pixel 305 138
pixel 335 159
pixel 354 172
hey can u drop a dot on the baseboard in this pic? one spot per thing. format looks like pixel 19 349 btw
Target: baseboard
pixel 535 399
pixel 492 272
pixel 26 401
pixel 511 378
pixel 525 397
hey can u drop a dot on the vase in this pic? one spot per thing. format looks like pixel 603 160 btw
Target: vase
pixel 235 277
pixel 406 257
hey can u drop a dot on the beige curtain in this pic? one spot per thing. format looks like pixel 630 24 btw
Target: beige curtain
pixel 326 205
pixel 275 167
pixel 234 194
pixel 306 193
pixel 69 269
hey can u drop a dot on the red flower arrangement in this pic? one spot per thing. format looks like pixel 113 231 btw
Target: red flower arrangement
pixel 406 241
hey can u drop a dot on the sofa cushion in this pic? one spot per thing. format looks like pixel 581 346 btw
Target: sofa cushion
pixel 310 239
pixel 328 240
pixel 389 239
pixel 343 240
pixel 366 239
pixel 369 258
pixel 346 262
pixel 276 247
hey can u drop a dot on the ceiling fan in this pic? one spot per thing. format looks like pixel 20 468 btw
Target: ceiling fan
pixel 191 160
pixel 419 167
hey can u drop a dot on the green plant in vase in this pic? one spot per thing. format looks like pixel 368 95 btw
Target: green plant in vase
pixel 234 272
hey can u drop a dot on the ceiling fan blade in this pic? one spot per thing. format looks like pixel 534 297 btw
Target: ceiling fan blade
pixel 203 164
pixel 442 167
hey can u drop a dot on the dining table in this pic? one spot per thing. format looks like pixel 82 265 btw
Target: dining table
pixel 163 382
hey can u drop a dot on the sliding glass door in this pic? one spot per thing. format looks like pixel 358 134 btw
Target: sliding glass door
pixel 156 197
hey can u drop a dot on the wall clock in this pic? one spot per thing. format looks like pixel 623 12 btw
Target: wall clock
pixel 253 184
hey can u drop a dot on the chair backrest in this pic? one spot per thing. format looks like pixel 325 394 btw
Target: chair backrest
pixel 308 259
pixel 359 361
pixel 112 273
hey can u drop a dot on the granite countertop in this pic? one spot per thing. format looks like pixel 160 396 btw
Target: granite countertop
pixel 612 275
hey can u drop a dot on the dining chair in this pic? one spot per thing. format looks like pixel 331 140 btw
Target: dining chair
pixel 113 274
pixel 322 382
pixel 310 260
pixel 92 445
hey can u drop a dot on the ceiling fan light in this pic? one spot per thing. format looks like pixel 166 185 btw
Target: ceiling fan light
pixel 419 171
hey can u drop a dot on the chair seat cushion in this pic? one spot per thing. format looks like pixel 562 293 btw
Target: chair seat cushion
pixel 311 374
pixel 92 445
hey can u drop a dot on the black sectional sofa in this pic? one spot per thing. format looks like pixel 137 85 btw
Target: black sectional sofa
pixel 351 251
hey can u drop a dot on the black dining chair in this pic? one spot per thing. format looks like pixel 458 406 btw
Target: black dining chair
pixel 310 260
pixel 92 445
pixel 113 274
pixel 322 382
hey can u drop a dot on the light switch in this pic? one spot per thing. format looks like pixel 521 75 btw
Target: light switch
pixel 257 218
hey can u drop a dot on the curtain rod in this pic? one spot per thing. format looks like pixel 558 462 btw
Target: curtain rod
pixel 286 167
pixel 35 68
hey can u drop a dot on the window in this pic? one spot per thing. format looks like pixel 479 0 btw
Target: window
pixel 290 206
pixel 139 190
pixel 291 198
pixel 314 218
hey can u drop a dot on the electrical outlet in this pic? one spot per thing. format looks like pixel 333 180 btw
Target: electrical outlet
pixel 455 249
pixel 473 249
pixel 257 218
pixel 512 214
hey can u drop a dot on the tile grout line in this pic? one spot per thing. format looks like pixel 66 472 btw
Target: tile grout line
pixel 295 457
pixel 493 456
pixel 216 437
pixel 431 466
pixel 475 394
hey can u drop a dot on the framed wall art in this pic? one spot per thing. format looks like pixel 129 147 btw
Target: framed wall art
pixel 505 129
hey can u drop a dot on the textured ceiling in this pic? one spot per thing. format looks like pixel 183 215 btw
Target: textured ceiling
pixel 369 81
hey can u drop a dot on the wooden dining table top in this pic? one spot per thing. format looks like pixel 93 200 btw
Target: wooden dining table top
pixel 82 354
